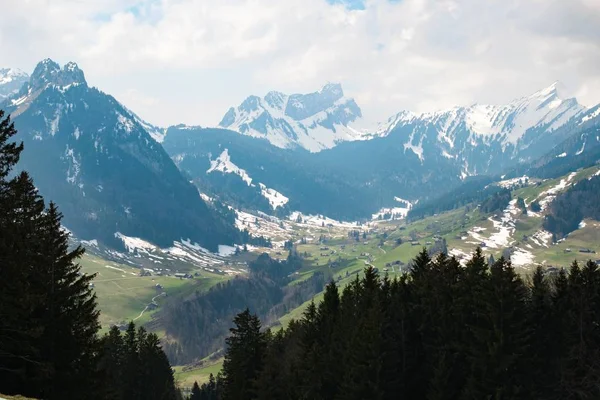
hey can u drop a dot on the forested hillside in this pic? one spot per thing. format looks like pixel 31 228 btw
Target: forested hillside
pixel 569 209
pixel 474 189
pixel 197 326
pixel 442 332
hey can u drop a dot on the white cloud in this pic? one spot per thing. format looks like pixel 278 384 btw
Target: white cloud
pixel 187 61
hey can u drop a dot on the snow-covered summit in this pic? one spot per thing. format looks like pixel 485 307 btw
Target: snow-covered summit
pixel 11 80
pixel 11 74
pixel 314 121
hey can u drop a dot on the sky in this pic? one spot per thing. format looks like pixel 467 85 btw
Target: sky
pixel 188 61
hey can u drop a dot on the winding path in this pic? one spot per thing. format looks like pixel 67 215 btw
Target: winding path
pixel 146 308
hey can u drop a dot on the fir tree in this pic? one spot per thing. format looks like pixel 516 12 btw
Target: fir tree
pixel 196 393
pixel 48 316
pixel 501 338
pixel 244 357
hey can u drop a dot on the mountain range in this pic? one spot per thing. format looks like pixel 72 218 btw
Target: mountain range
pixel 115 175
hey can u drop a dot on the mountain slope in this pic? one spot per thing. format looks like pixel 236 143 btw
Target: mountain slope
pixel 90 155
pixel 313 121
pixel 253 174
pixel 581 149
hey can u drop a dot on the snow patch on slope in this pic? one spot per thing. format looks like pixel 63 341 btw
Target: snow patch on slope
pixel 521 257
pixel 542 238
pixel 319 220
pixel 551 193
pixel 590 116
pixel 275 198
pixel 74 166
pixel 133 243
pixel 224 164
pixel 504 229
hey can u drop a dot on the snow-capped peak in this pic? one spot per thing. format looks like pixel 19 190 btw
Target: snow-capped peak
pixel 8 75
pixel 314 121
pixel 546 108
pixel 11 80
pixel 557 90
pixel 530 123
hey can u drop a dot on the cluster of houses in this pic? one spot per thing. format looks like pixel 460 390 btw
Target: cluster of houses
pixel 155 271
pixel 583 250
pixel 165 272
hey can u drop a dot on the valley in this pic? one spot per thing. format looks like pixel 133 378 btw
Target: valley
pixel 341 251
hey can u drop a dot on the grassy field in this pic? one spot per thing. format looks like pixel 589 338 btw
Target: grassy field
pixel 186 376
pixel 123 294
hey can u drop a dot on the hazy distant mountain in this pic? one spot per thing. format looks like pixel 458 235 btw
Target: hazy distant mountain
pixel 107 174
pixel 11 81
pixel 314 121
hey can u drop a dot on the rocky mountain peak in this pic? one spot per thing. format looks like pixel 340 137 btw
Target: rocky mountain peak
pixel 49 72
pixel 333 89
pixel 276 100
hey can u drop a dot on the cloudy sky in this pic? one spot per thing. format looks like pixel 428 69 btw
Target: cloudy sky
pixel 188 61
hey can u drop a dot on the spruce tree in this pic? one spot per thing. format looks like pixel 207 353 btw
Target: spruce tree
pixel 69 313
pixel 48 316
pixel 157 378
pixel 500 339
pixel 21 214
pixel 131 364
pixel 364 361
pixel 244 357
pixel 196 393
pixel 110 366
pixel 545 337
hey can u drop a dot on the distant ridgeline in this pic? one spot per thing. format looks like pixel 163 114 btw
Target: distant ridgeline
pixel 442 332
